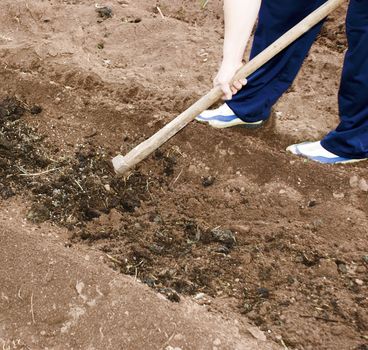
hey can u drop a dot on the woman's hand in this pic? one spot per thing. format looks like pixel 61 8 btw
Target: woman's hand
pixel 224 77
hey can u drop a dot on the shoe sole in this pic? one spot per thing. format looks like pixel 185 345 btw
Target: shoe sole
pixel 318 159
pixel 243 126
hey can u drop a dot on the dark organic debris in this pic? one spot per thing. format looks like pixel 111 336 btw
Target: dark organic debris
pixel 362 347
pixel 11 109
pixel 104 12
pixel 36 109
pixel 308 259
pixel 131 19
pixel 208 181
pixel 226 237
pixel 223 250
pixel 170 294
pixel 6 192
pixel 69 191
pixel 341 266
pixel 263 292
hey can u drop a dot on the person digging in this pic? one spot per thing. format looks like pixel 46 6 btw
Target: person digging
pixel 248 103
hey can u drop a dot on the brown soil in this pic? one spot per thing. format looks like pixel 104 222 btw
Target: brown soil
pixel 233 222
pixel 55 297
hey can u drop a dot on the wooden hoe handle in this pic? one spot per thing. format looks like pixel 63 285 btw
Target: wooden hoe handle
pixel 122 164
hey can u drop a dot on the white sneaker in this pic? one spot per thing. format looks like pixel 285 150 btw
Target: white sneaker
pixel 315 151
pixel 223 117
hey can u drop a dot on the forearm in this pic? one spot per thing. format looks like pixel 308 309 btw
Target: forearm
pixel 240 16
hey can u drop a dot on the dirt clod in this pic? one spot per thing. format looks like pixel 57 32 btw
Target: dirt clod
pixel 263 292
pixel 208 181
pixel 104 12
pixel 226 237
pixel 36 109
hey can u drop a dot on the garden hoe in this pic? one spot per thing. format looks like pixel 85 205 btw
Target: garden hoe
pixel 123 163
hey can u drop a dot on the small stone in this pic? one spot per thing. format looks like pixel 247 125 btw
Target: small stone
pixel 278 114
pixel 179 336
pixel 173 296
pixel 192 202
pixel 327 268
pixel 199 296
pixel 247 308
pixel 354 181
pixel 308 259
pixel 317 223
pixel 192 169
pixel 338 195
pixel 363 185
pixel 360 269
pixel 223 250
pixel 104 11
pixel 135 20
pixel 257 333
pixel 130 205
pixel 263 292
pixel 247 258
pixel 359 282
pixel 337 330
pixel 107 187
pixel 155 248
pixel 224 236
pixel 342 268
pixel 217 342
pixel 149 281
pixel 90 133
pixel 208 181
pixel 36 109
pixel 242 229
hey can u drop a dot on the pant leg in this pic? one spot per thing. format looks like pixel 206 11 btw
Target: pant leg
pixel 267 84
pixel 350 139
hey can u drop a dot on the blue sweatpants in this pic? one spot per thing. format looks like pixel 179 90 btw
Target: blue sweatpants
pixel 265 86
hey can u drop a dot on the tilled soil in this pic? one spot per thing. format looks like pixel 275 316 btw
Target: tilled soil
pixel 224 216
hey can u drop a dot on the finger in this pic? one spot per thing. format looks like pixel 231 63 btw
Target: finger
pixel 234 90
pixel 238 85
pixel 227 92
pixel 244 82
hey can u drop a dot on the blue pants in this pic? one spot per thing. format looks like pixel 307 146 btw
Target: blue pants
pixel 265 86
